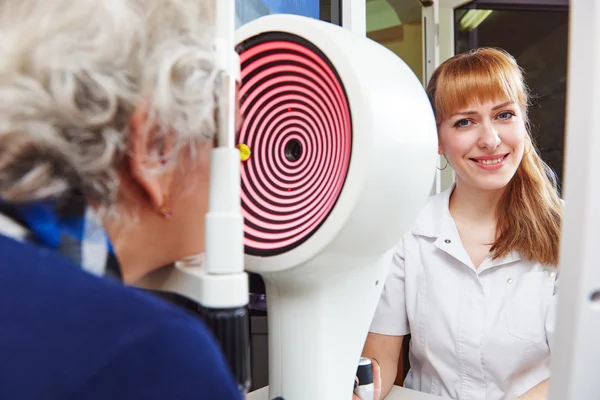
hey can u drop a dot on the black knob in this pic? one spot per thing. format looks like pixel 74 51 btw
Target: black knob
pixel 231 327
pixel 364 372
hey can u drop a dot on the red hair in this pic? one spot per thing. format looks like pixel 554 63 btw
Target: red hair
pixel 529 214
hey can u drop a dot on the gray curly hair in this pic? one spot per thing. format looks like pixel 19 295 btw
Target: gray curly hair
pixel 72 72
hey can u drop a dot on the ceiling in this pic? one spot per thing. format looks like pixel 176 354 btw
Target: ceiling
pixel 408 10
pixel 383 14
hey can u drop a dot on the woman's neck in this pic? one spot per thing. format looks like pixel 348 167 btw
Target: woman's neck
pixel 135 251
pixel 474 205
pixel 150 243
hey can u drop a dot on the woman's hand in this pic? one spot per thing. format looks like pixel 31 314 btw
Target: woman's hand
pixel 376 381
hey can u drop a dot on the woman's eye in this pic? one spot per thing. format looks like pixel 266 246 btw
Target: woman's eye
pixel 506 115
pixel 463 123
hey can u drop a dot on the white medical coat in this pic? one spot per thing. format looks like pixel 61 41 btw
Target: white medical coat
pixel 476 334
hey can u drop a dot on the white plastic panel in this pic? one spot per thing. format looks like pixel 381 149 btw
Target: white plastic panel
pixel 576 350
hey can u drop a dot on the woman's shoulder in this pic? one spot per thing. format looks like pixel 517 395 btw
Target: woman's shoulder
pixel 90 322
pixel 427 222
pixel 41 277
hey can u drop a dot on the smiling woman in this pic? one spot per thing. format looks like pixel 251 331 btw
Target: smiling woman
pixel 474 281
pixel 471 138
pixel 481 106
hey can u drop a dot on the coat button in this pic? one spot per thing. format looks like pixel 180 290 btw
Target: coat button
pixel 447 240
pixel 552 274
pixel 509 280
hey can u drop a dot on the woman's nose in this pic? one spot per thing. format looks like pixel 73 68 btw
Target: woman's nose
pixel 489 138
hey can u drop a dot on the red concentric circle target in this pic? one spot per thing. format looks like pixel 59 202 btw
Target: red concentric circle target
pixel 298 126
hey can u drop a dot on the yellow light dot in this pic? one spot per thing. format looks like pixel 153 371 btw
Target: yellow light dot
pixel 244 151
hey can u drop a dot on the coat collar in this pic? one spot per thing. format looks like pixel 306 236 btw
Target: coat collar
pixel 431 220
pixel 436 222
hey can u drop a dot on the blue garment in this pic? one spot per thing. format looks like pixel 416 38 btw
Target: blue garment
pixel 48 226
pixel 66 334
pixel 78 235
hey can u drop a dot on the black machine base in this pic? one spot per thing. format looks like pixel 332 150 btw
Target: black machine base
pixel 232 329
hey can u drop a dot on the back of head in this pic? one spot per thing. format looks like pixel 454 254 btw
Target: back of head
pixel 529 213
pixel 72 72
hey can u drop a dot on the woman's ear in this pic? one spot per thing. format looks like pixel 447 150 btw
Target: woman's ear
pixel 144 162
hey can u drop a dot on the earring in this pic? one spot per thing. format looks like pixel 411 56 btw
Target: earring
pixel 165 212
pixel 446 166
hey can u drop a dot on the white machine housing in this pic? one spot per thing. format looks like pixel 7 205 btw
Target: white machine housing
pixel 576 348
pixel 321 295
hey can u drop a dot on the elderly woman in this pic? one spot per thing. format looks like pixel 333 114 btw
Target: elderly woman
pixel 114 100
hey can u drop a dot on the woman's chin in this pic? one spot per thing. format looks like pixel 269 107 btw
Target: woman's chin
pixel 492 183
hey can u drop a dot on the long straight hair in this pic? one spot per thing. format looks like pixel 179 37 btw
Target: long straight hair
pixel 529 214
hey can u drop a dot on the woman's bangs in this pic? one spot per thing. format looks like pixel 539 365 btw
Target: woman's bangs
pixel 458 90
